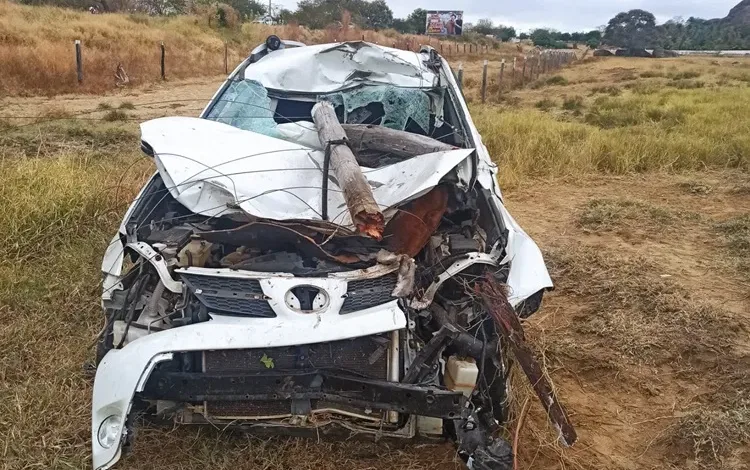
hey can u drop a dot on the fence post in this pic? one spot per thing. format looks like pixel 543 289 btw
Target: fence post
pixel 484 81
pixel 163 54
pixel 441 48
pixel 544 63
pixel 502 71
pixel 460 78
pixel 513 74
pixel 464 48
pixel 226 58
pixel 538 67
pixel 79 61
pixel 523 72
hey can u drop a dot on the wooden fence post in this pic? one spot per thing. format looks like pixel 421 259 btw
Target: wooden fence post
pixel 538 67
pixel 502 71
pixel 163 54
pixel 544 63
pixel 523 72
pixel 226 58
pixel 460 78
pixel 79 61
pixel 513 74
pixel 464 48
pixel 484 81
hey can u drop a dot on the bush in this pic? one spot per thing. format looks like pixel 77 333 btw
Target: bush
pixel 573 104
pixel 545 105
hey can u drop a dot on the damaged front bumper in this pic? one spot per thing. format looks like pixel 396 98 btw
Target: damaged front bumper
pixel 125 372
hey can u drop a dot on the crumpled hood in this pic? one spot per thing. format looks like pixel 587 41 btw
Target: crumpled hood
pixel 215 169
pixel 327 68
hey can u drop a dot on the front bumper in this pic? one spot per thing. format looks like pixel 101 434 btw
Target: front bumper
pixel 124 372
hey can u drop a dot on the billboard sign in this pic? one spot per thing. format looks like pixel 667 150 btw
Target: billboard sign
pixel 445 23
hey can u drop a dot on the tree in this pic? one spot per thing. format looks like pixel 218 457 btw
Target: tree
pixel 635 29
pixel 505 33
pixel 413 24
pixel 317 14
pixel 374 15
pixel 484 26
pixel 248 9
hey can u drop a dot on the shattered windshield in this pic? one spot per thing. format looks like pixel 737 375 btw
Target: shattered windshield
pixel 246 104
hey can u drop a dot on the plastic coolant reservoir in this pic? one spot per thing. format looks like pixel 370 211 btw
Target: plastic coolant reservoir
pixel 461 374
pixel 195 253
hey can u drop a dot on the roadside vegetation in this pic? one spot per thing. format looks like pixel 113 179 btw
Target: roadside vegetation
pixel 637 191
pixel 37 54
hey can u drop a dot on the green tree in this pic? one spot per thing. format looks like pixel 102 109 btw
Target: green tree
pixel 484 26
pixel 505 33
pixel 635 29
pixel 248 9
pixel 374 15
pixel 413 24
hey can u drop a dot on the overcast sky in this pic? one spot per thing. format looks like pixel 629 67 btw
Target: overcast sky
pixel 563 15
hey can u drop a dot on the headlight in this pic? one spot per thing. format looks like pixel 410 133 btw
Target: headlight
pixel 109 430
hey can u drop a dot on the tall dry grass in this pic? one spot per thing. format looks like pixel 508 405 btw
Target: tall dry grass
pixel 37 46
pixel 668 130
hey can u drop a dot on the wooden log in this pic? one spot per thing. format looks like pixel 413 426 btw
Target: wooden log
pixel 368 138
pixel 496 300
pixel 362 206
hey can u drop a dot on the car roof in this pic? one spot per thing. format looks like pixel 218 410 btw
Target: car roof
pixel 325 68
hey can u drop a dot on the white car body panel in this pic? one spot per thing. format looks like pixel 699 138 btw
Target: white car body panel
pixel 121 371
pixel 209 166
pixel 331 67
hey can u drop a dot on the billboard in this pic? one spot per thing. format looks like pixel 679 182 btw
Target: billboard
pixel 445 23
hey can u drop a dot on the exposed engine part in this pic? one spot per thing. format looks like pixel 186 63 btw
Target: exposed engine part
pixel 394 367
pixel 195 253
pixel 461 374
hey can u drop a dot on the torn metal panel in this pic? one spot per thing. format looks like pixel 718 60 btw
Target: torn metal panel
pixel 214 169
pixel 328 68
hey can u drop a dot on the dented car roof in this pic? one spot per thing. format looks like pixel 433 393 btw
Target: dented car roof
pixel 327 68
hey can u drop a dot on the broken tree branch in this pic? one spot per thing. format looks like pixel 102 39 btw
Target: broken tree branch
pixel 364 210
pixel 496 300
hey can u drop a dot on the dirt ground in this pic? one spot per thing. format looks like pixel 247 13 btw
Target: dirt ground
pixel 646 335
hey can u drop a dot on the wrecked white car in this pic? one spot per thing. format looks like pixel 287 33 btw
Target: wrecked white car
pixel 304 261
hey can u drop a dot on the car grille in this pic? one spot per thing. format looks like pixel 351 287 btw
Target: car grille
pixel 244 297
pixel 368 293
pixel 366 356
pixel 231 296
pixel 363 356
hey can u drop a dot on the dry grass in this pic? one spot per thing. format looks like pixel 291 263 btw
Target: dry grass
pixel 611 214
pixel 603 128
pixel 37 47
pixel 634 313
pixel 736 232
pixel 62 194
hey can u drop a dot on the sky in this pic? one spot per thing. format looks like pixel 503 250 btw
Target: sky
pixel 563 15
